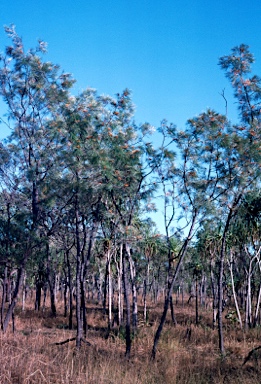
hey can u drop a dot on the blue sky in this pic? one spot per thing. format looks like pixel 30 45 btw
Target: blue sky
pixel 165 51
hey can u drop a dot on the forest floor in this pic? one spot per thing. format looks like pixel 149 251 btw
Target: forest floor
pixel 187 354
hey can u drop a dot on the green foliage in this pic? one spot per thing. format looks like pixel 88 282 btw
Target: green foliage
pixel 77 175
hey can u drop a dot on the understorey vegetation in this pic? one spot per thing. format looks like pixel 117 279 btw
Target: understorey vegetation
pixel 39 351
pixel 79 180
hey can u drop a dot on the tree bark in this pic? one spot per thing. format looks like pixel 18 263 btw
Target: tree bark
pixel 230 262
pixel 259 298
pixel 79 333
pixel 3 296
pixel 120 274
pixel 134 289
pixel 196 288
pixel 146 284
pixel 220 277
pixel 109 292
pixel 127 303
pixel 70 287
pixel 10 311
pixel 182 254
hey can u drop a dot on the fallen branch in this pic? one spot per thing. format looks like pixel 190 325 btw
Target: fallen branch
pixel 72 339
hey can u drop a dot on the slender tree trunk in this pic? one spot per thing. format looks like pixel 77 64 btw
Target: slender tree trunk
pixel 258 299
pixel 109 293
pixel 170 274
pixel 3 296
pixel 65 293
pixel 120 279
pixel 203 291
pixel 173 317
pixel 24 292
pixel 214 287
pixel 18 286
pixel 105 288
pixel 79 333
pixel 8 289
pixel 182 255
pixel 83 307
pixel 257 307
pixel 38 295
pixel 233 289
pixel 51 282
pixel 134 290
pixel 84 265
pixel 127 303
pixel 249 316
pixel 70 290
pixel 248 323
pixel 197 316
pixel 220 278
pixel 146 284
pixel 78 306
pixel 220 294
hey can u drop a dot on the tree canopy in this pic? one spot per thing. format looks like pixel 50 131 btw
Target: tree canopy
pixel 79 179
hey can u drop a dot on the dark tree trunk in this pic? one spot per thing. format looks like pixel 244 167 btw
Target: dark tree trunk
pixel 173 318
pixel 8 289
pixel 70 289
pixel 197 316
pixel 160 327
pixel 65 303
pixel 145 290
pixel 83 308
pixel 38 294
pixel 182 254
pixel 10 311
pixel 127 303
pixel 105 287
pixel 3 296
pixel 220 277
pixel 52 295
pixel 70 304
pixel 51 281
pixel 79 333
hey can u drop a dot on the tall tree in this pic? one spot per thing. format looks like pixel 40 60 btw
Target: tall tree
pixel 33 91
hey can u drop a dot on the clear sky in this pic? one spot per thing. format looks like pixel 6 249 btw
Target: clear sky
pixel 165 51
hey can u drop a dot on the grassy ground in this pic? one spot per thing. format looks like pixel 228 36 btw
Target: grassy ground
pixel 187 354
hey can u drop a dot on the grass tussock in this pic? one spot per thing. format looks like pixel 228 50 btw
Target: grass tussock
pixel 187 354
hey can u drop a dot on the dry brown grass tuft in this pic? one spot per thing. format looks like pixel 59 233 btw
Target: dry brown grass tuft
pixel 187 354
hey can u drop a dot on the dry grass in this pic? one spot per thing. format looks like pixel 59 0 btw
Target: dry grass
pixel 187 354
